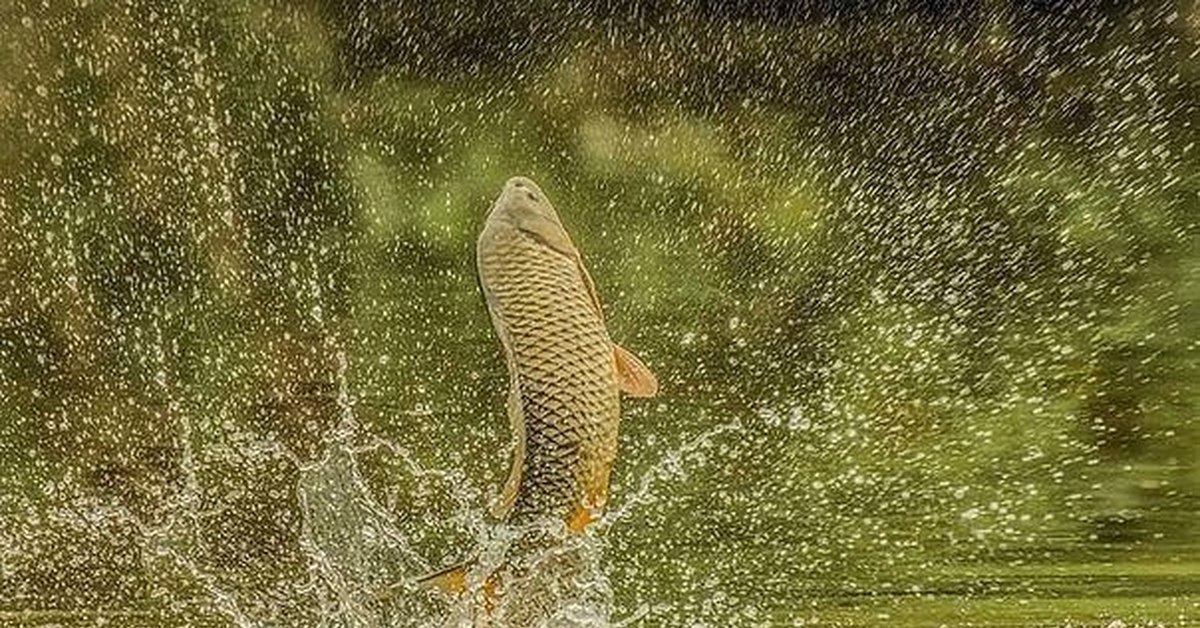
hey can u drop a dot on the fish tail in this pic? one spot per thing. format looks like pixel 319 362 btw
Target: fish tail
pixel 451 580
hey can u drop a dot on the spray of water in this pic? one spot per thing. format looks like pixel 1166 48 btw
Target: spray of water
pixel 363 567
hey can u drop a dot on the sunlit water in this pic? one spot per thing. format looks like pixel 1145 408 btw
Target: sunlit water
pixel 920 285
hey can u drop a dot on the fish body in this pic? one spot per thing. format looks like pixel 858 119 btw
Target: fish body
pixel 566 376
pixel 565 372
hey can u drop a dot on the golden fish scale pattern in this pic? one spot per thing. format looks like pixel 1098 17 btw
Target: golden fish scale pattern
pixel 563 358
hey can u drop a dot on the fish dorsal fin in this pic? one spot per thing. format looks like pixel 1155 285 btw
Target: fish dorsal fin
pixel 632 376
pixel 590 286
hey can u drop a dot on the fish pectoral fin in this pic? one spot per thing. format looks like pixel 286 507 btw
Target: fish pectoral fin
pixel 503 503
pixel 632 376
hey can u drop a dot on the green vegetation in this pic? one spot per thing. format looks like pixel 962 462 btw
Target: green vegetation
pixel 940 268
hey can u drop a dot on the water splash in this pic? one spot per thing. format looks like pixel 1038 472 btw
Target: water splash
pixel 357 551
pixel 673 465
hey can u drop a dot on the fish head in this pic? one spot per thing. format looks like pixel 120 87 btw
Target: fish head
pixel 523 206
pixel 522 200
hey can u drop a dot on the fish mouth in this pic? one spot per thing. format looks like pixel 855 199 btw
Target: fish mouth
pixel 519 194
pixel 520 182
pixel 517 187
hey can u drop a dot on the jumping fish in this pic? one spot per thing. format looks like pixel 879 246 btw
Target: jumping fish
pixel 565 372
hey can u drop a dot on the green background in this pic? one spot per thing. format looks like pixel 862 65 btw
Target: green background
pixel 919 282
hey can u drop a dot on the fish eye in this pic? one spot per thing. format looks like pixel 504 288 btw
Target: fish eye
pixel 531 196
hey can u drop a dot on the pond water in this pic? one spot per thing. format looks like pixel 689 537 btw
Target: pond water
pixel 919 283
